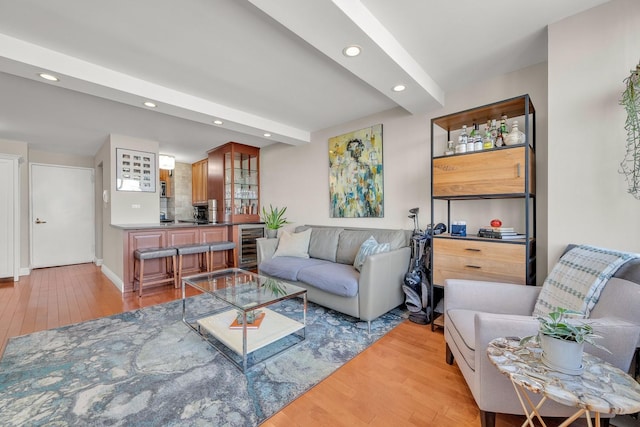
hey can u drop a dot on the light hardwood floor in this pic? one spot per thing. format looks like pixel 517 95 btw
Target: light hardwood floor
pixel 401 380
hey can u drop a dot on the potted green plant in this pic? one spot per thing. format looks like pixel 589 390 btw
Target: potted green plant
pixel 562 340
pixel 273 220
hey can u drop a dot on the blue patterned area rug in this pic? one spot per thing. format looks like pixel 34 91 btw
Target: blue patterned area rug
pixel 147 368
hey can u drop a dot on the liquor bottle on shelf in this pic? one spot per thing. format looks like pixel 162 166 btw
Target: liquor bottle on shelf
pixel 487 141
pixel 471 140
pixel 463 140
pixel 450 149
pixel 477 138
pixel 494 130
pixel 502 130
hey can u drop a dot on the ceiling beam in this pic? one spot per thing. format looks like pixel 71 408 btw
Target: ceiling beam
pixel 28 60
pixel 383 62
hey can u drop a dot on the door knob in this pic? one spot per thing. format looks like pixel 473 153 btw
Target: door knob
pixel 39 221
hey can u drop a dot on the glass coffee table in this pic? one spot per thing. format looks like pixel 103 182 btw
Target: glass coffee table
pixel 236 319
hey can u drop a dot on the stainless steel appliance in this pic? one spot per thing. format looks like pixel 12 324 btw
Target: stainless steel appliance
pixel 247 247
pixel 212 208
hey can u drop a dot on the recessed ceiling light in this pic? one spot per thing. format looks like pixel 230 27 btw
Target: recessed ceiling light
pixel 150 104
pixel 49 77
pixel 266 134
pixel 218 122
pixel 399 88
pixel 351 51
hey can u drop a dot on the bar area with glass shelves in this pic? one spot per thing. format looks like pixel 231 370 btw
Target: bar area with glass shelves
pixel 238 186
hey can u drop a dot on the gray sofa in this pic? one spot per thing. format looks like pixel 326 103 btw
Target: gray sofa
pixel 329 276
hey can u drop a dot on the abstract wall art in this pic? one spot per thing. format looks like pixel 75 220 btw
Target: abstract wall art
pixel 356 174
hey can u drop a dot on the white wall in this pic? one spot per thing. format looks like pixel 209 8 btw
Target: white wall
pixel 34 156
pixel 131 207
pixel 297 177
pixel 590 55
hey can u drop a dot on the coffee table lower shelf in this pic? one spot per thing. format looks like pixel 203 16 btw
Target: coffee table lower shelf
pixel 274 327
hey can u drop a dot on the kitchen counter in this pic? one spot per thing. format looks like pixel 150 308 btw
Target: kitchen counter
pixel 165 234
pixel 164 225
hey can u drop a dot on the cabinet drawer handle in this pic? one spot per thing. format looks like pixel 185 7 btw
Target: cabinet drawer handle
pixel 518 169
pixel 473 266
pixel 472 249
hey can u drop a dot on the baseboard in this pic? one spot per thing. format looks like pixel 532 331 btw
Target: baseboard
pixel 25 271
pixel 97 261
pixel 113 277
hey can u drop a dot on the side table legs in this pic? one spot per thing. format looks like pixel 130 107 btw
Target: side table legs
pixel 521 391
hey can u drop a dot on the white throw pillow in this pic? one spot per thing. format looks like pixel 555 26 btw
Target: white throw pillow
pixel 369 247
pixel 296 244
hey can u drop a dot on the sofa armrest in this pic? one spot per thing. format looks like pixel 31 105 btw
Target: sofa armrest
pixel 490 297
pixel 380 283
pixel 266 248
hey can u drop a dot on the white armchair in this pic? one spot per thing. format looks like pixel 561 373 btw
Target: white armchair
pixel 476 312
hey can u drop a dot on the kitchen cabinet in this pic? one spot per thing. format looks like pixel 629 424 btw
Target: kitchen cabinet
pixel 199 178
pixel 165 236
pixel 234 181
pixel 165 176
pixel 492 175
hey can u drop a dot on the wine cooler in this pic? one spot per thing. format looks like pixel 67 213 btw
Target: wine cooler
pixel 247 247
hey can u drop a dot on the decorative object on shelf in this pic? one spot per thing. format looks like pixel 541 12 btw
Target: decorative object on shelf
pixel 135 171
pixel 562 340
pixel 516 136
pixel 273 220
pixel 459 228
pixel 630 165
pixel 496 223
pixel 356 174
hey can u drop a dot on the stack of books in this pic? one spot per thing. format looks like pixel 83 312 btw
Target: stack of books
pixel 505 233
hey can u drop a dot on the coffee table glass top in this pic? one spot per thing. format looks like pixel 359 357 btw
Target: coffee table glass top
pixel 242 289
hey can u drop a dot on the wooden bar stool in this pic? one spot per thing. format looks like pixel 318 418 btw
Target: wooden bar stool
pixel 140 255
pixel 222 246
pixel 200 249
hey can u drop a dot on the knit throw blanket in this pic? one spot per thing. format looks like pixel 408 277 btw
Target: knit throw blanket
pixel 577 280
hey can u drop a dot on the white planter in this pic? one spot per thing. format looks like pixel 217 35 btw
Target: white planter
pixel 561 355
pixel 271 233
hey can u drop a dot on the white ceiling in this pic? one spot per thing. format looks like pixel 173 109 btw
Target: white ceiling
pixel 260 65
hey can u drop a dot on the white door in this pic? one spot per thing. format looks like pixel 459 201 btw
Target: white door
pixel 9 218
pixel 62 215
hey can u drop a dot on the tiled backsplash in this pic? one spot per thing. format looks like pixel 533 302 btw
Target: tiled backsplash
pixel 178 206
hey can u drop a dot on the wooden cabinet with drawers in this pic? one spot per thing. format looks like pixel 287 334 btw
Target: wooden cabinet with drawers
pixel 477 259
pixel 506 172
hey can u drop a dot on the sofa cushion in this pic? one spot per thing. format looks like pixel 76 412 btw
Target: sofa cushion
pixel 461 326
pixel 324 243
pixel 295 245
pixel 369 247
pixel 338 279
pixel 350 241
pixel 286 267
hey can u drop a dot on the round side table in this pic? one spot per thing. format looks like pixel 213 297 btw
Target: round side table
pixel 601 388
